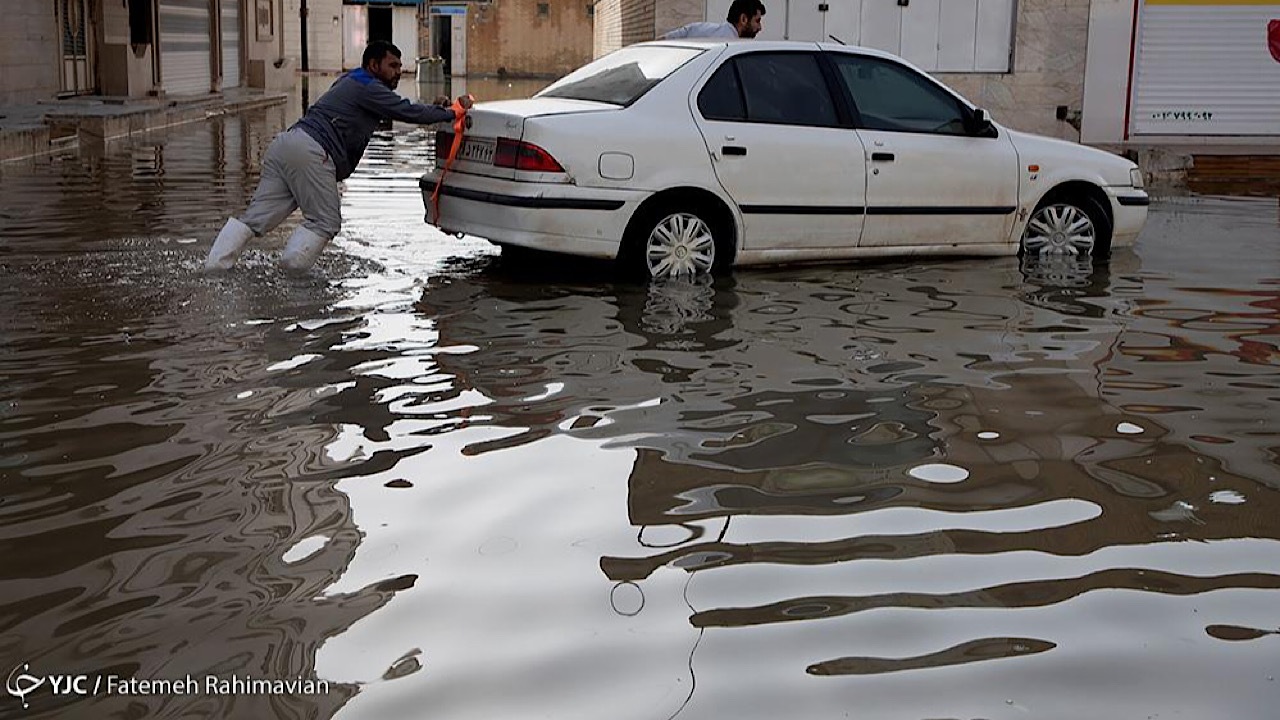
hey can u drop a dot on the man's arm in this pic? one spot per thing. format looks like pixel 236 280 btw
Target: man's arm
pixel 678 33
pixel 383 101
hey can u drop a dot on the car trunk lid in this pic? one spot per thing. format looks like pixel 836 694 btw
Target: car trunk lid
pixel 491 123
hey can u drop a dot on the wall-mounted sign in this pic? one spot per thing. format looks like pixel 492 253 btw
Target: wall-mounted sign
pixel 263 19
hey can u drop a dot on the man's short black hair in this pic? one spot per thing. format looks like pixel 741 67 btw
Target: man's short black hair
pixel 744 7
pixel 377 50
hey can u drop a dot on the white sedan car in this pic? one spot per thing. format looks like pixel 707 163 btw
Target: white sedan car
pixel 690 157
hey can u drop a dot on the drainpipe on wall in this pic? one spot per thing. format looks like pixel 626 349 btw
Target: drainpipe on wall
pixel 306 94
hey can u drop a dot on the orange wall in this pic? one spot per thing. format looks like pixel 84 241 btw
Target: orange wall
pixel 509 35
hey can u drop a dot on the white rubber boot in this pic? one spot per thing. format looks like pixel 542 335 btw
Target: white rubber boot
pixel 302 250
pixel 228 246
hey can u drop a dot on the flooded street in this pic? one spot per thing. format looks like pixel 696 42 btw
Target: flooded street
pixel 450 486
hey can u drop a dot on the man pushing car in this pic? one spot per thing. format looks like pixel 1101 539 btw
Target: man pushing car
pixel 303 165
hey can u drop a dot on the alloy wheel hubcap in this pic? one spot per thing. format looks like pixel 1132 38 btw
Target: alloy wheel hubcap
pixel 680 245
pixel 1060 230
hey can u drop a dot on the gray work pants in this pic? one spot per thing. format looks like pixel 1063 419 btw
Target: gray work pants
pixel 296 173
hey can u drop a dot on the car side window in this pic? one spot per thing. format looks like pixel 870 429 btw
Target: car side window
pixel 721 97
pixel 895 98
pixel 786 89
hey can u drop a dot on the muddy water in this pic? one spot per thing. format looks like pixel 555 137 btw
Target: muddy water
pixel 449 486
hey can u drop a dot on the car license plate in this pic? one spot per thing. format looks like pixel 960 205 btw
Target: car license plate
pixel 480 151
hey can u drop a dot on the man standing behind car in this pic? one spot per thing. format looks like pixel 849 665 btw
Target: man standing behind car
pixel 744 20
pixel 303 165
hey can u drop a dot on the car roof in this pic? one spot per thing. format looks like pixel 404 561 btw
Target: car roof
pixel 757 45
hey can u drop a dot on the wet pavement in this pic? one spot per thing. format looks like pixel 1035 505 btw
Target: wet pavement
pixel 452 486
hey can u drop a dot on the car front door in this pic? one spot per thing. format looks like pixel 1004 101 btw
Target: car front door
pixel 929 180
pixel 784 150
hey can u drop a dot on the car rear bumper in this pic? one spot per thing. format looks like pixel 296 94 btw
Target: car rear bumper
pixel 1129 213
pixel 547 216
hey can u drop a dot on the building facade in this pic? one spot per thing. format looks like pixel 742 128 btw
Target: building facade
pixel 1108 72
pixel 139 48
pixel 511 38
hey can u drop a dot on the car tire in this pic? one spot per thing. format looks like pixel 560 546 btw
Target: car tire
pixel 674 240
pixel 1070 225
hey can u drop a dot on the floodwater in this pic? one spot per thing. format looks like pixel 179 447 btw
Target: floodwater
pixel 450 487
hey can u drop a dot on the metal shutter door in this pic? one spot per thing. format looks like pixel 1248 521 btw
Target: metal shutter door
pixel 184 47
pixel 1205 69
pixel 230 43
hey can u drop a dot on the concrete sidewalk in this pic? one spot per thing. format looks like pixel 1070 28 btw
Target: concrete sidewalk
pixel 36 129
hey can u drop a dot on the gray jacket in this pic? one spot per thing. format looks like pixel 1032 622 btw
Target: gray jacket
pixel 345 117
pixel 704 30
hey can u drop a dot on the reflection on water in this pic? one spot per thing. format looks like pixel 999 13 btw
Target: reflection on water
pixel 433 477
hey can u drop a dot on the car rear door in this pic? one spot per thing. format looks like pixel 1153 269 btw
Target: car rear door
pixel 784 150
pixel 929 181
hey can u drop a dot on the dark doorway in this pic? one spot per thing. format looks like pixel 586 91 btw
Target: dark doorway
pixel 442 40
pixel 379 23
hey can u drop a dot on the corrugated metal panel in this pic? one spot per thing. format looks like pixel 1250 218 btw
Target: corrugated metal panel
pixel 230 43
pixel 1205 70
pixel 185 48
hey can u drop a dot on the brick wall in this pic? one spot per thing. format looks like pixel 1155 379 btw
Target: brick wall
pixel 28 52
pixel 513 38
pixel 637 21
pixel 607 28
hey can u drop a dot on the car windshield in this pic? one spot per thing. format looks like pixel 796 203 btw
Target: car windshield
pixel 621 77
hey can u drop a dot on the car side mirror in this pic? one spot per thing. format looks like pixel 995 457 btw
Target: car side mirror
pixel 980 124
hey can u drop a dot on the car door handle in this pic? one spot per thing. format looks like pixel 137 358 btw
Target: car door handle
pixel 881 157
pixel 733 150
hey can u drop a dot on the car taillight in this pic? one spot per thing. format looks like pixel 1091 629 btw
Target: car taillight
pixel 524 156
pixel 444 141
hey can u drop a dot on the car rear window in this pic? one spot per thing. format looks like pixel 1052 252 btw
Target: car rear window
pixel 620 78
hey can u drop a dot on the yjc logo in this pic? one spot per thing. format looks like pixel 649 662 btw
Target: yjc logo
pixel 20 685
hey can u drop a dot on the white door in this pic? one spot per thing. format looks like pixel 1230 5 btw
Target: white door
pixel 404 34
pixel 355 35
pixel 774 135
pixel 230 44
pixel 929 181
pixel 458 45
pixel 77 47
pixel 186 53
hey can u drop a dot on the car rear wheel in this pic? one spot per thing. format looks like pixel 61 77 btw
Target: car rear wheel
pixel 681 244
pixel 1070 226
pixel 675 241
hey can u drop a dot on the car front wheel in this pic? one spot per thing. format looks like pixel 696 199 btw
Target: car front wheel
pixel 1073 226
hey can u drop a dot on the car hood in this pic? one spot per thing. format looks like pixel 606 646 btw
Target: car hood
pixel 1051 152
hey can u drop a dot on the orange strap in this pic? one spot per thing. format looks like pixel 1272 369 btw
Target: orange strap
pixel 459 129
